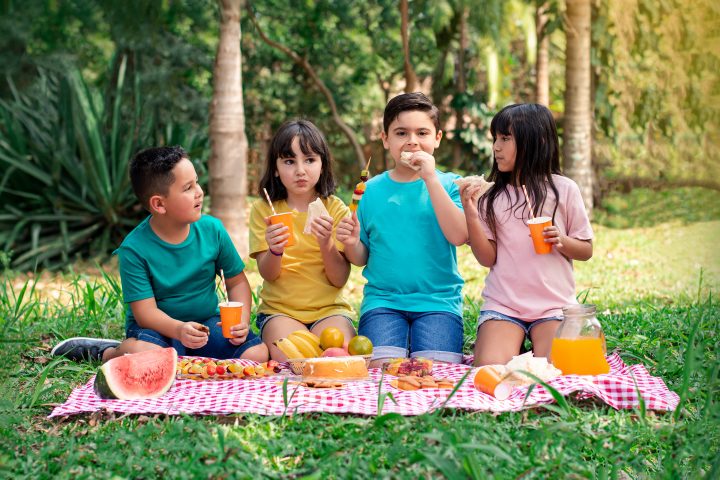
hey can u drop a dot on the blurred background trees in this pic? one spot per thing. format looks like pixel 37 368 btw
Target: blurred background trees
pixel 84 84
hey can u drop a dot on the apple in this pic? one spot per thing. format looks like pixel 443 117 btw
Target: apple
pixel 335 352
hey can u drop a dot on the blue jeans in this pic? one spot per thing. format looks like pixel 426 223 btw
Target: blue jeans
pixel 217 346
pixel 395 333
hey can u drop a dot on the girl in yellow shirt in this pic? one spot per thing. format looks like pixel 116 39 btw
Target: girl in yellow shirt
pixel 303 277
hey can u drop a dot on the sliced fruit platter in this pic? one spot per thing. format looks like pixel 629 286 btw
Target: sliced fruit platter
pixel 194 368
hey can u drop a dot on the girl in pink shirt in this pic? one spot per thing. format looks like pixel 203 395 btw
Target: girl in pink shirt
pixel 524 291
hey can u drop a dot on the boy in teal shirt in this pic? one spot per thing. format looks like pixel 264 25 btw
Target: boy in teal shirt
pixel 408 224
pixel 168 266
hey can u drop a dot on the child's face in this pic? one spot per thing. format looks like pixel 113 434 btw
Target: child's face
pixel 504 151
pixel 183 202
pixel 300 173
pixel 411 131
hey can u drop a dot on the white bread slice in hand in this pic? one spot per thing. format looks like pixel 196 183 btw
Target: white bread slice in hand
pixel 315 209
pixel 475 182
pixel 405 160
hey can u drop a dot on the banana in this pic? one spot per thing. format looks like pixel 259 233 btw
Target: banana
pixel 306 348
pixel 288 348
pixel 309 336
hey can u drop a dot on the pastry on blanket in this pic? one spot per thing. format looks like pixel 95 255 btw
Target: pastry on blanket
pixel 538 366
pixel 475 182
pixel 315 209
pixel 405 160
pixel 322 384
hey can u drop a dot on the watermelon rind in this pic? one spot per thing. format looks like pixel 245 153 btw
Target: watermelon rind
pixel 139 375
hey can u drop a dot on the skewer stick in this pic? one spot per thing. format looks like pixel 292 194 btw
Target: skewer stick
pixel 367 167
pixel 269 201
pixel 527 198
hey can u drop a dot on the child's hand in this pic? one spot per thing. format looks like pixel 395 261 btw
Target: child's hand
pixel 469 195
pixel 425 161
pixel 276 236
pixel 193 335
pixel 322 228
pixel 553 236
pixel 239 332
pixel 348 231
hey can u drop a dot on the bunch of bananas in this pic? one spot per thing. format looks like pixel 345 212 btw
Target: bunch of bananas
pixel 300 344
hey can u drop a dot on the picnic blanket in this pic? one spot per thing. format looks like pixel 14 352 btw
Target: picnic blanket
pixel 264 396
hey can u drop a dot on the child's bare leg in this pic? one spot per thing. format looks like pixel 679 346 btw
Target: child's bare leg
pixel 258 353
pixel 542 336
pixel 497 342
pixel 275 329
pixel 339 322
pixel 129 345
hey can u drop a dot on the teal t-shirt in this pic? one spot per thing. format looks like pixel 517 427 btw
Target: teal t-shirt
pixel 181 277
pixel 411 265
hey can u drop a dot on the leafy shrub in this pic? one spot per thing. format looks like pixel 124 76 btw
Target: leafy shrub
pixel 64 154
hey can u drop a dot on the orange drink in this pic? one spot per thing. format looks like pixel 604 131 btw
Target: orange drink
pixel 579 356
pixel 537 225
pixel 286 219
pixel 230 315
pixel 489 379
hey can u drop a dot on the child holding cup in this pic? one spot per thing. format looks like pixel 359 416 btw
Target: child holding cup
pixel 303 273
pixel 529 256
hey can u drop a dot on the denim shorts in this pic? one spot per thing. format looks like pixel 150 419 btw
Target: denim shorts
pixel 486 315
pixel 395 333
pixel 217 346
pixel 263 318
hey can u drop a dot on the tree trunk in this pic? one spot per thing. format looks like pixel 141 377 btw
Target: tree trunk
pixel 578 112
pixel 457 157
pixel 410 77
pixel 227 167
pixel 542 75
pixel 302 62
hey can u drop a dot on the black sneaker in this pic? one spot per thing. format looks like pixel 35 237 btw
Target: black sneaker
pixel 83 348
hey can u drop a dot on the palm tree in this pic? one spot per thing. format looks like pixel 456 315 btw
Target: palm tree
pixel 578 113
pixel 229 146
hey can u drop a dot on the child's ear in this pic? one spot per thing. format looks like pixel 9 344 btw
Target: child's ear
pixel 383 136
pixel 157 204
pixel 438 137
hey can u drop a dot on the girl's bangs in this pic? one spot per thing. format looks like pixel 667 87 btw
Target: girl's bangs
pixel 501 123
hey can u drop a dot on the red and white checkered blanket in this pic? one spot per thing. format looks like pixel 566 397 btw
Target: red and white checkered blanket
pixel 619 389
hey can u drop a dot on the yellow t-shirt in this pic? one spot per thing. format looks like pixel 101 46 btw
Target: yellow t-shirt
pixel 302 291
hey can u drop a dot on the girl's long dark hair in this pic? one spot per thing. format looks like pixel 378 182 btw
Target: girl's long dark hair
pixel 312 142
pixel 537 158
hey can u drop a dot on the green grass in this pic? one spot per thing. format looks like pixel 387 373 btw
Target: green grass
pixel 655 284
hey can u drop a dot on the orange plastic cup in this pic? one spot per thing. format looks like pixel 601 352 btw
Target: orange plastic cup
pixel 537 225
pixel 287 220
pixel 230 315
pixel 489 379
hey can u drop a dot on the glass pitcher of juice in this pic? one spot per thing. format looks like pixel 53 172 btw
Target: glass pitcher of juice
pixel 579 344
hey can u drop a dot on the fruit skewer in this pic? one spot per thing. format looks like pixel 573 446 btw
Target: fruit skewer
pixel 360 187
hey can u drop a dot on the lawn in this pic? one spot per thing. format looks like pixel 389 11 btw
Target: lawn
pixel 654 276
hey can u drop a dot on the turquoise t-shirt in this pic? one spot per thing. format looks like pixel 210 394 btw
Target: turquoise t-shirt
pixel 181 277
pixel 411 265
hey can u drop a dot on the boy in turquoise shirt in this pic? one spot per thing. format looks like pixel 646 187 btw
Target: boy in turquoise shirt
pixel 408 223
pixel 168 265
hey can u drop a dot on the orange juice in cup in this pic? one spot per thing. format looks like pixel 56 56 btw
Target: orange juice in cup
pixel 537 225
pixel 230 315
pixel 286 219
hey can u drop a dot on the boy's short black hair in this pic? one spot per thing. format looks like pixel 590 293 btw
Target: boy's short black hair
pixel 410 101
pixel 151 171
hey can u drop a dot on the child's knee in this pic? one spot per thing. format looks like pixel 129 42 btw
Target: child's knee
pixel 259 353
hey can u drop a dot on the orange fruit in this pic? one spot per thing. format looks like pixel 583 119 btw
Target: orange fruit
pixel 360 345
pixel 331 337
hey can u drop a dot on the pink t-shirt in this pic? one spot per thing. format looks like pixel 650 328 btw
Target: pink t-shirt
pixel 523 284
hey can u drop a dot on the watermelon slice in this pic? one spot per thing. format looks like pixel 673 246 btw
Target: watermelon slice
pixel 138 375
